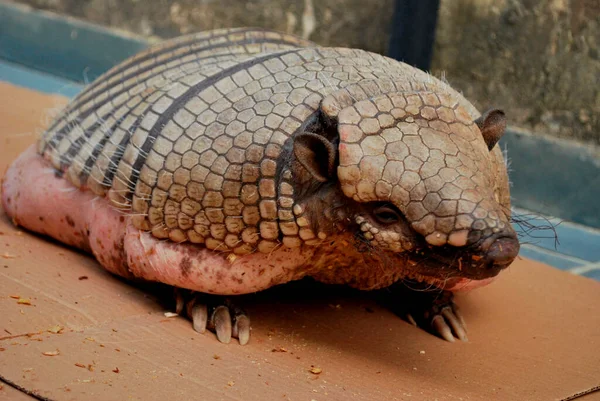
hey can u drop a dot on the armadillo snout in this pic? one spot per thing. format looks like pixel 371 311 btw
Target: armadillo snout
pixel 501 252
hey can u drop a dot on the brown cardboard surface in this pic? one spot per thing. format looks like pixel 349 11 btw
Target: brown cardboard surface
pixel 8 393
pixel 534 334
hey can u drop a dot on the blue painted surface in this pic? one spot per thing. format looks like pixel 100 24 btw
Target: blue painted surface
pixel 572 239
pixel 36 80
pixel 554 177
pixel 595 274
pixel 65 47
pixel 555 259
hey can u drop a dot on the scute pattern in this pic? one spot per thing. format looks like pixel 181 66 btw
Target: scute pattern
pixel 187 137
pixel 423 153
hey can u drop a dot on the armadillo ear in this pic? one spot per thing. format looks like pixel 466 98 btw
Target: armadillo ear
pixel 316 154
pixel 492 125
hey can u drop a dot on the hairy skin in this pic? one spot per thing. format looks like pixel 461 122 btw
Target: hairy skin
pixel 231 161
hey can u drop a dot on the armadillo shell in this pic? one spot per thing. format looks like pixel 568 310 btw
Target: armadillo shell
pixel 187 136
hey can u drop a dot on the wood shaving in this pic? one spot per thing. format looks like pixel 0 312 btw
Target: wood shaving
pixel 19 335
pixel 55 329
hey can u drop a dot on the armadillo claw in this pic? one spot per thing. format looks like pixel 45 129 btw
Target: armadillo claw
pixel 410 319
pixel 199 315
pixel 449 324
pixel 220 323
pixel 434 311
pixel 241 329
pixel 439 325
pixel 179 300
pixel 218 315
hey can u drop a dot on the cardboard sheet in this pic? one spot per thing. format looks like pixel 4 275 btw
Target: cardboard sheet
pixel 534 334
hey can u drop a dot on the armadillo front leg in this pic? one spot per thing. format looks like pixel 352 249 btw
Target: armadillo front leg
pixel 427 307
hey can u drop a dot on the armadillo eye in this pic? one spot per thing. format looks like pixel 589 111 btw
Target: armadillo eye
pixel 386 214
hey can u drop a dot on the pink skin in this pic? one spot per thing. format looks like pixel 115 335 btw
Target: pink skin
pixel 465 284
pixel 39 201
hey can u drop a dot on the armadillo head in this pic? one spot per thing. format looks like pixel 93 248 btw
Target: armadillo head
pixel 425 181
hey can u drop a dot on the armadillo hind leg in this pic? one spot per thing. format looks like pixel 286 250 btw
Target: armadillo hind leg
pixel 37 198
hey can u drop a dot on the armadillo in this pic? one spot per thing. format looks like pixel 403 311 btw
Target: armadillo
pixel 230 161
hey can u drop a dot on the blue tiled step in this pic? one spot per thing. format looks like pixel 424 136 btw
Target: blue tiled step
pixel 36 80
pixel 571 240
pixel 62 46
pixel 551 258
pixel 591 270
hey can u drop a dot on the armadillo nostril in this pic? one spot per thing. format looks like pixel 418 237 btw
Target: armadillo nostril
pixel 502 252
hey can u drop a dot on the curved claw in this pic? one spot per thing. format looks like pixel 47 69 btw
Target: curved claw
pixel 215 313
pixel 431 309
pixel 438 323
pixel 455 323
pixel 241 329
pixel 199 315
pixel 459 315
pixel 221 322
pixel 411 320
pixel 179 301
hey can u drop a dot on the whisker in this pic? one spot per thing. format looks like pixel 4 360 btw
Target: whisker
pixel 531 224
